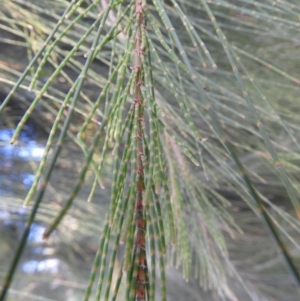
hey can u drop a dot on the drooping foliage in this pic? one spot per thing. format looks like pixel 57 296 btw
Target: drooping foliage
pixel 195 105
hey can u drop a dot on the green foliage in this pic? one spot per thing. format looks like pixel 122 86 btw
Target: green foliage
pixel 187 137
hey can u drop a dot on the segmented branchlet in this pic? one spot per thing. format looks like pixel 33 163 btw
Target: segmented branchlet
pixel 138 292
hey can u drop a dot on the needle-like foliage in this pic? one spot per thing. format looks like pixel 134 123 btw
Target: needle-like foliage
pixel 195 102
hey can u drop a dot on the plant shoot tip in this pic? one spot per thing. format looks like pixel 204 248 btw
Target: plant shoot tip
pixel 45 236
pixel 202 139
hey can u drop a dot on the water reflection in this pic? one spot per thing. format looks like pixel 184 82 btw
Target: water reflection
pixel 26 148
pixel 50 265
pixel 44 263
pixel 36 233
pixel 12 157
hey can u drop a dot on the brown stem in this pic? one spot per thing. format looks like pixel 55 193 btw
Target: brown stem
pixel 140 294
